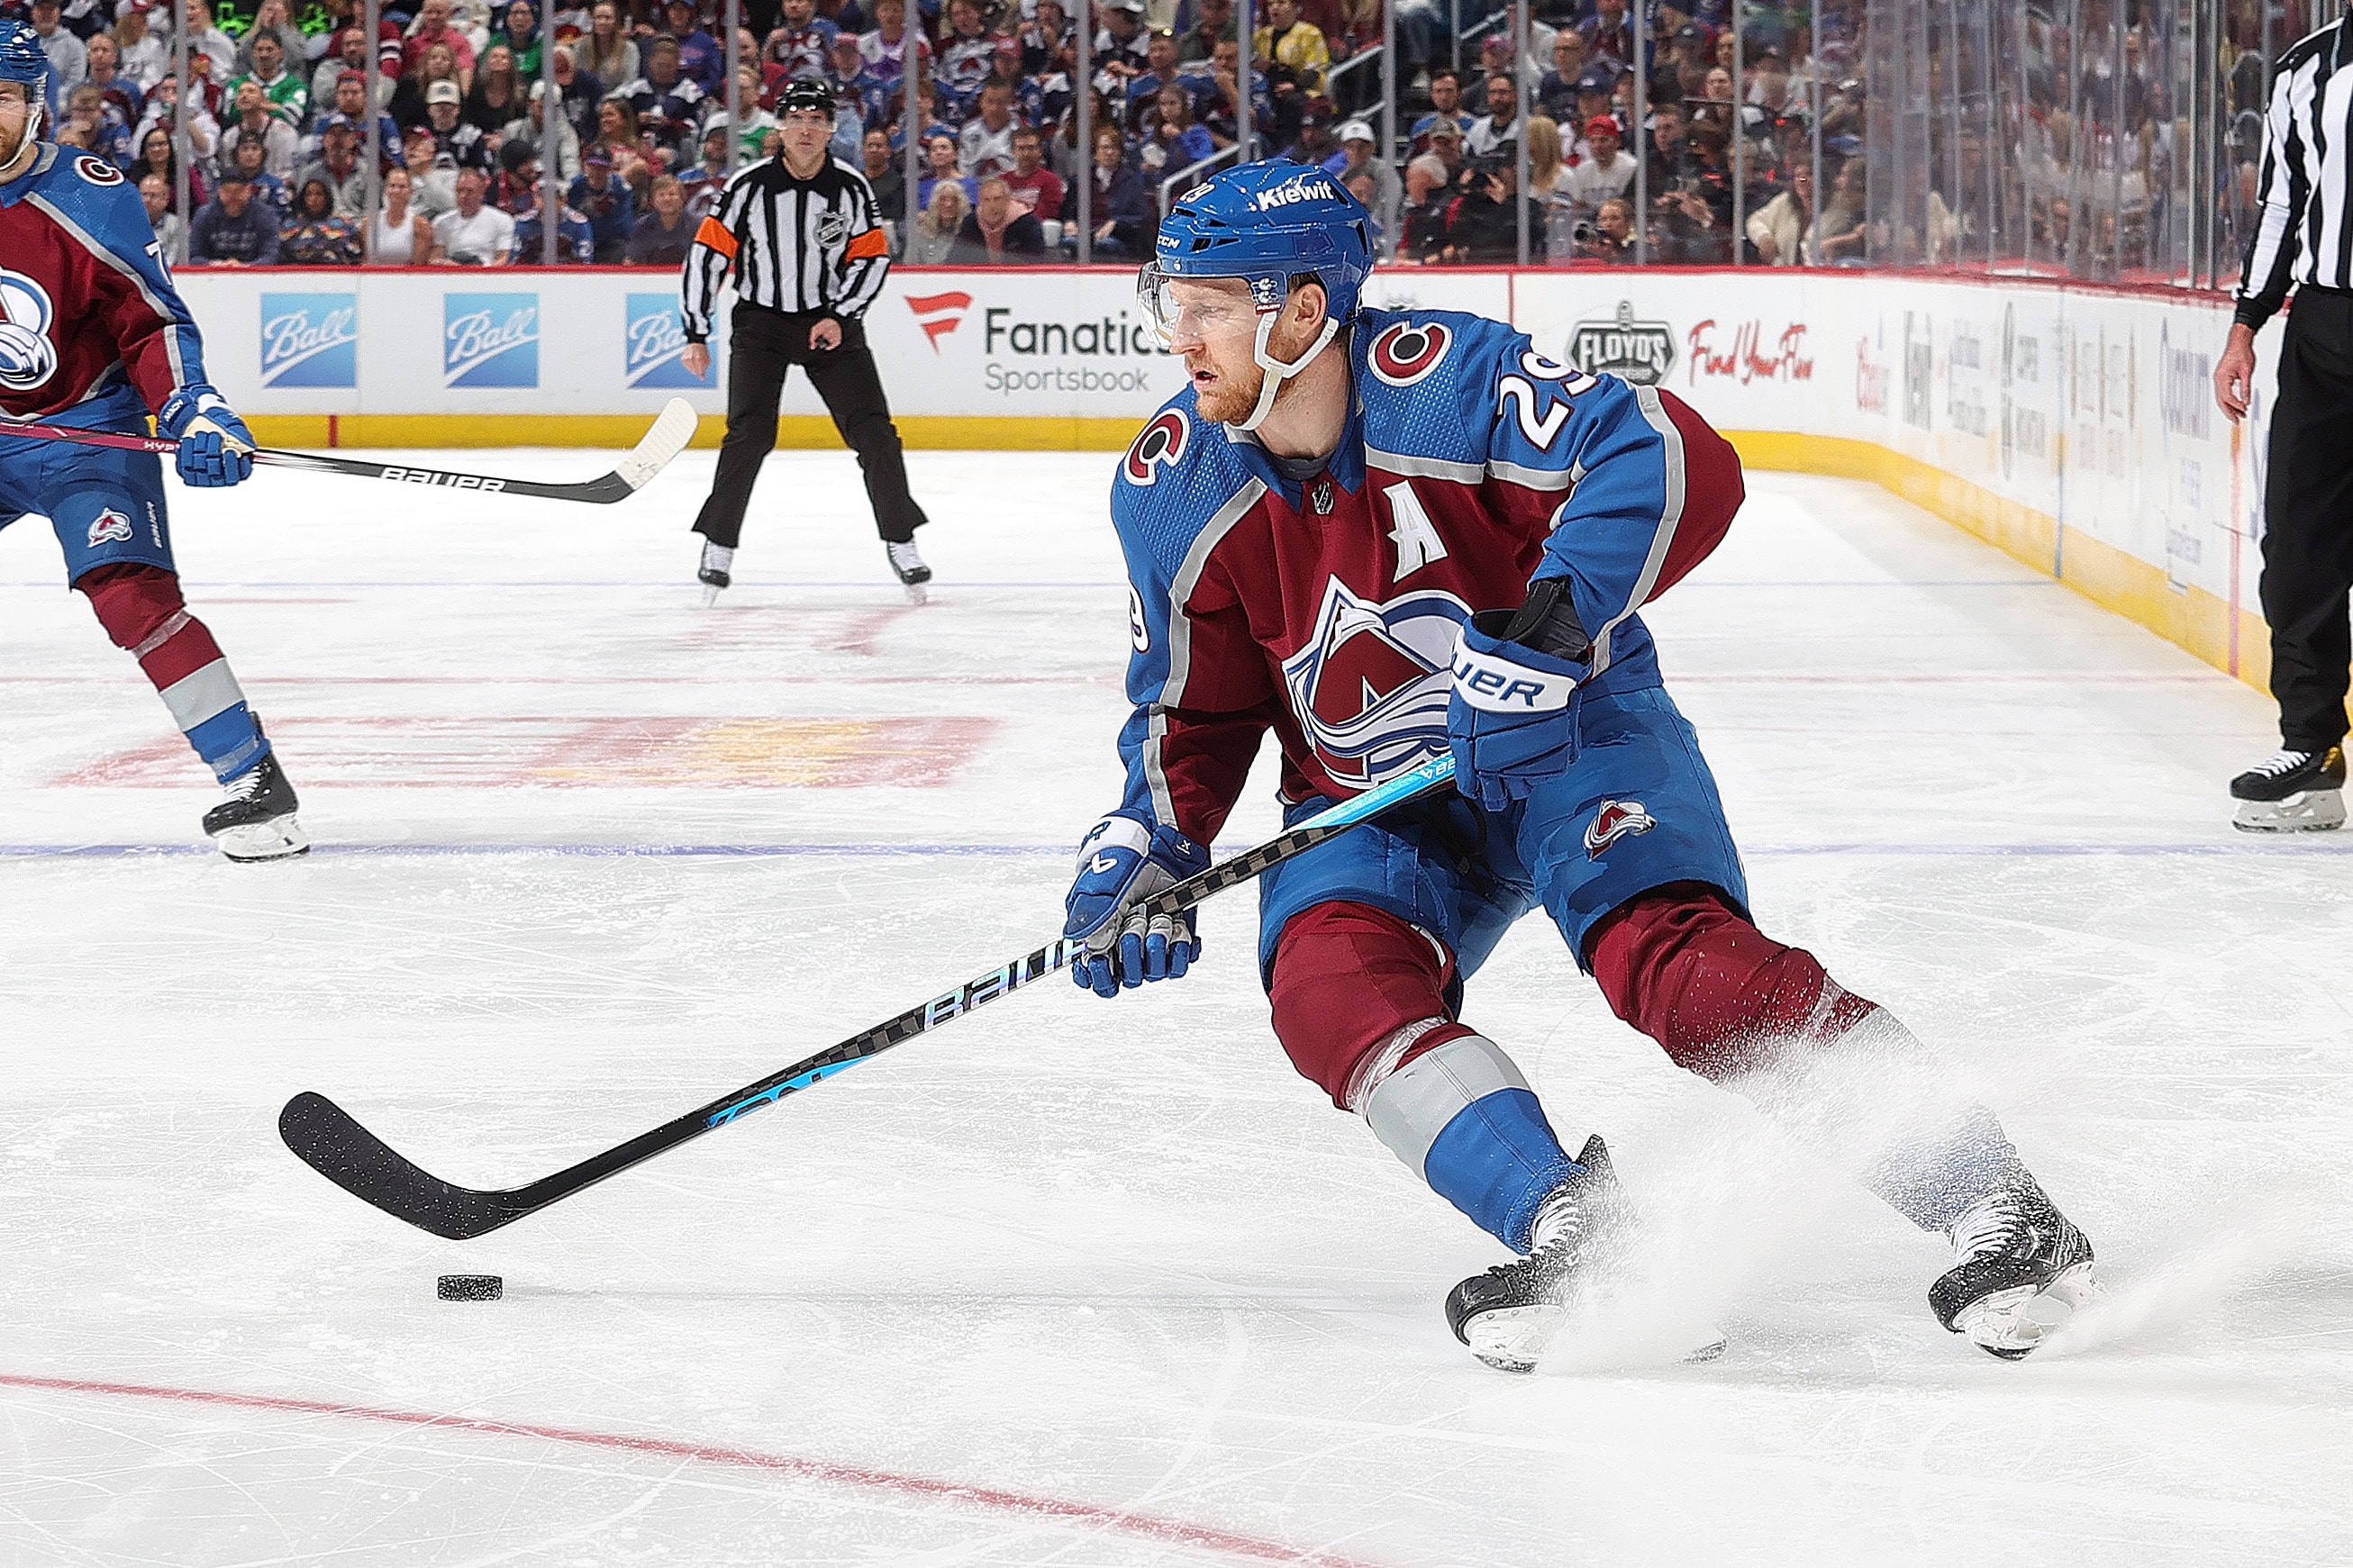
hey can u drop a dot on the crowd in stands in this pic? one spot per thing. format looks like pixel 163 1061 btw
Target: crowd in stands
pixel 280 109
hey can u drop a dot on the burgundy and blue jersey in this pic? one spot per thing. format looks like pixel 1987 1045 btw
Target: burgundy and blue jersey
pixel 1328 610
pixel 93 333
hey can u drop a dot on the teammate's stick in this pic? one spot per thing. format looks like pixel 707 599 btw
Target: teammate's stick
pixel 331 1142
pixel 668 436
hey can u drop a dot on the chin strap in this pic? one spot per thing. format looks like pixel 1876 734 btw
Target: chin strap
pixel 1277 373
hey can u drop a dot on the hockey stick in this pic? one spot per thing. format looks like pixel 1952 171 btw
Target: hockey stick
pixel 668 436
pixel 331 1142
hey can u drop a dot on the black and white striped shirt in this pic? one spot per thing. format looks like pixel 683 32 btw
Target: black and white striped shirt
pixel 2303 234
pixel 791 244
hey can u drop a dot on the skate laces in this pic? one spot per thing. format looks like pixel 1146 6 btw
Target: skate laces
pixel 246 786
pixel 1988 1226
pixel 2279 765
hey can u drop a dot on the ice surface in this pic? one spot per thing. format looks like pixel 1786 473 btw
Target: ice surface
pixel 1111 1268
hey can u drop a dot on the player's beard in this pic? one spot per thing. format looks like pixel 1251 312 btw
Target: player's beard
pixel 1230 399
pixel 13 153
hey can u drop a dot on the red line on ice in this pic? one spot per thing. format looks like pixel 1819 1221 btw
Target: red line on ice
pixel 1141 1524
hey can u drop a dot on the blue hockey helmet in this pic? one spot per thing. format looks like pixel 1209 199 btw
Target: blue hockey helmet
pixel 1268 225
pixel 23 59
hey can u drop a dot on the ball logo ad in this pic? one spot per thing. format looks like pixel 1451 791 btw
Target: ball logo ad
pixel 653 345
pixel 310 340
pixel 489 339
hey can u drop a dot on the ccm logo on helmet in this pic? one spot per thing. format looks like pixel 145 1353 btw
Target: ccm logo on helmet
pixel 1161 443
pixel 1297 191
pixel 1408 351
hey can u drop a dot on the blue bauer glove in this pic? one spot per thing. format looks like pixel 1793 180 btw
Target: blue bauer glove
pixel 215 448
pixel 1121 864
pixel 1512 722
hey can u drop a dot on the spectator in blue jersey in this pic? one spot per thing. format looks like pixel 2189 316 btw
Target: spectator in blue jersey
pixel 269 190
pixel 857 89
pixel 608 206
pixel 1174 142
pixel 233 229
pixel 575 243
pixel 667 102
pixel 699 58
pixel 942 165
pixel 1160 70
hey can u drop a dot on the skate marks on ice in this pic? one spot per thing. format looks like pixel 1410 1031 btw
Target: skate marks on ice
pixel 2235 1248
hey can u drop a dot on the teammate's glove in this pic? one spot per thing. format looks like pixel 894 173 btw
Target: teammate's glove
pixel 1512 722
pixel 1121 864
pixel 215 448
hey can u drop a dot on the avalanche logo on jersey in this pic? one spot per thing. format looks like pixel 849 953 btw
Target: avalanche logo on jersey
pixel 108 524
pixel 1370 687
pixel 1159 446
pixel 1408 353
pixel 28 357
pixel 1616 820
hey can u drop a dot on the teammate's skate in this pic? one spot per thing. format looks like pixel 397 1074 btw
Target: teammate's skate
pixel 2292 791
pixel 257 821
pixel 908 565
pixel 718 560
pixel 1511 1313
pixel 2019 1269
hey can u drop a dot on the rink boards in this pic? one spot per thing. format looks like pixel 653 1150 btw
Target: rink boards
pixel 2074 425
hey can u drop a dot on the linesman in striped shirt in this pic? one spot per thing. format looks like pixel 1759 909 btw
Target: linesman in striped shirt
pixel 2303 238
pixel 800 237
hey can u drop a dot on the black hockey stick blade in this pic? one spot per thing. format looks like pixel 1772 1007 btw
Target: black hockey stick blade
pixel 663 441
pixel 332 1142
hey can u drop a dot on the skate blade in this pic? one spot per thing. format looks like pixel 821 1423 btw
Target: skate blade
pixel 1514 1339
pixel 2011 1324
pixel 280 838
pixel 2314 810
pixel 709 596
pixel 916 593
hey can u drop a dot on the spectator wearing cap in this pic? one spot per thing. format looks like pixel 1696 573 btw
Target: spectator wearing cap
pixel 233 229
pixel 289 99
pixel 699 58
pixel 1428 195
pixel 575 242
pixel 432 26
pixel 1445 104
pixel 664 235
pixel 338 166
pixel 865 96
pixel 997 232
pixel 472 233
pixel 1556 91
pixel 1606 171
pixel 1499 128
pixel 146 60
pixel 256 123
pixel 801 42
pixel 1121 49
pixel 608 204
pixel 69 60
pixel 528 131
pixel 1690 55
pixel 440 65
pixel 1357 156
pixel 463 144
pixel 1445 144
pixel 667 102
pixel 1316 142
pixel 433 183
pixel 1292 41
pixel 1035 187
pixel 1213 23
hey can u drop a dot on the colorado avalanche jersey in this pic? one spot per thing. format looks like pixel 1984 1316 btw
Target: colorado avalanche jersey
pixel 1328 610
pixel 93 333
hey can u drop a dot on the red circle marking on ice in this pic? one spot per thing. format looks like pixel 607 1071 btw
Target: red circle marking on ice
pixel 1140 1524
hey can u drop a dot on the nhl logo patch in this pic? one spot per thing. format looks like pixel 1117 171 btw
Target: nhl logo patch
pixel 1319 496
pixel 1616 819
pixel 833 230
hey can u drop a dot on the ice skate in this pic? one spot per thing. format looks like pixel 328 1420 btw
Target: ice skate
pixel 718 560
pixel 2292 791
pixel 909 565
pixel 2019 1271
pixel 257 821
pixel 1511 1313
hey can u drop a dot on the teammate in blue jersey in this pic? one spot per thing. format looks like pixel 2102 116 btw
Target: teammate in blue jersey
pixel 1386 535
pixel 93 335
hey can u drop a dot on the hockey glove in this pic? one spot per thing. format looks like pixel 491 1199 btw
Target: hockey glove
pixel 215 448
pixel 1512 722
pixel 1121 864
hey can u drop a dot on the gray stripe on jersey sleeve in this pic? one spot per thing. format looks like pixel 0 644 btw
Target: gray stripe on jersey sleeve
pixel 1409 1109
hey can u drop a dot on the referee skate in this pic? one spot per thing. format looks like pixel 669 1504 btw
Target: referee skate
pixel 1468 930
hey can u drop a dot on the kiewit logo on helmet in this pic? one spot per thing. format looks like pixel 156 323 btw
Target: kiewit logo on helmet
pixel 1616 819
pixel 1305 190
pixel 108 524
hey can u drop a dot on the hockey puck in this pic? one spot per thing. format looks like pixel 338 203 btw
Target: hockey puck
pixel 468 1287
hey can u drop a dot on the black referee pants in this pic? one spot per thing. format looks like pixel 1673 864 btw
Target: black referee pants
pixel 763 345
pixel 2309 521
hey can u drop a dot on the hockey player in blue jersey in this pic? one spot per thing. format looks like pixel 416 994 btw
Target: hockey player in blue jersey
pixel 1383 535
pixel 93 335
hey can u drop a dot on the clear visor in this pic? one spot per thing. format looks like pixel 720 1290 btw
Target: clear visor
pixel 1197 310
